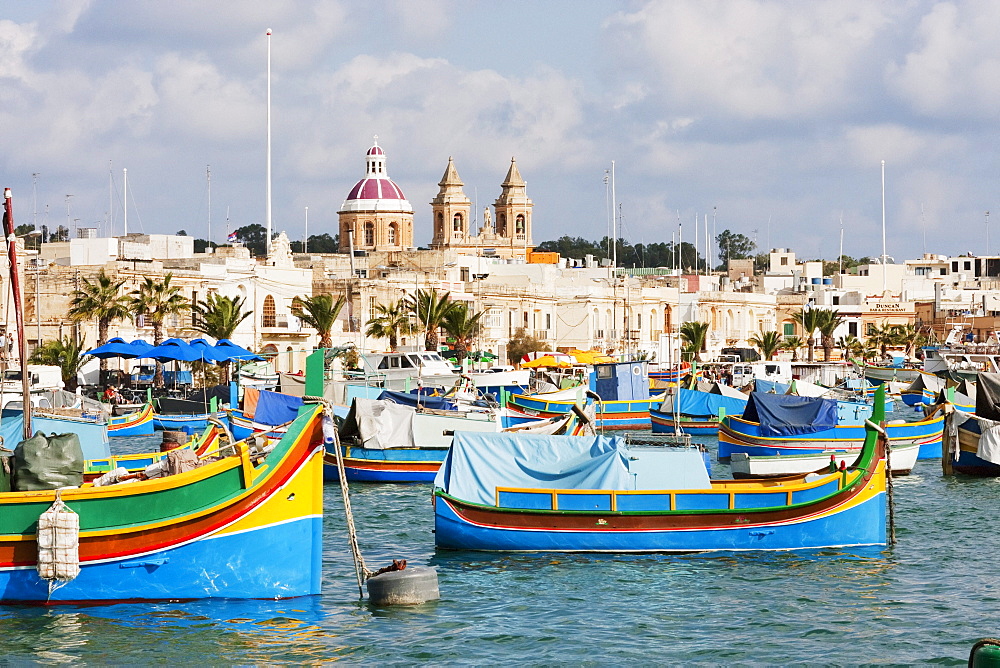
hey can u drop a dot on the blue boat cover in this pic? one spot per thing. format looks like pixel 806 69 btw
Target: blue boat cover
pixel 770 386
pixel 479 462
pixel 787 415
pixel 274 408
pixel 416 400
pixel 694 403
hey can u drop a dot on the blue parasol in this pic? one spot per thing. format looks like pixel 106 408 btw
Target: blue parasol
pixel 206 350
pixel 174 350
pixel 116 347
pixel 140 348
pixel 226 350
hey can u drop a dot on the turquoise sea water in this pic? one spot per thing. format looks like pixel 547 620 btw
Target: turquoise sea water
pixel 924 601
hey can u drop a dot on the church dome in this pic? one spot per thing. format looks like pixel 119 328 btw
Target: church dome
pixel 376 191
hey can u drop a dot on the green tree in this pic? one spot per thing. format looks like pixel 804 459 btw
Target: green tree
pixel 768 342
pixel 218 317
pixel 734 246
pixel 100 299
pixel 318 243
pixel 521 344
pixel 430 310
pixel 851 345
pixel 462 324
pixel 793 343
pixel 391 321
pixel 829 321
pixel 64 353
pixel 155 300
pixel 254 237
pixel 881 336
pixel 319 312
pixel 694 334
pixel 808 318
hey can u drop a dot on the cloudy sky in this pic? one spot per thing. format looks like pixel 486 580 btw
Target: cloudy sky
pixel 772 116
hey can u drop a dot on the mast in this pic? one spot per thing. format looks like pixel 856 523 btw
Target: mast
pixel 305 242
pixel 267 186
pixel 614 219
pixel 208 176
pixel 125 200
pixel 15 286
pixel 883 227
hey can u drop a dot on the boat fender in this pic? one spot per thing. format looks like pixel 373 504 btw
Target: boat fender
pixel 402 585
pixel 58 539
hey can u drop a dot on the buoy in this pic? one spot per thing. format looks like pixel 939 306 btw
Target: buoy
pixel 411 586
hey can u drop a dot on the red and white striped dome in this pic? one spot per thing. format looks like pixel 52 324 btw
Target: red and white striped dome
pixel 376 191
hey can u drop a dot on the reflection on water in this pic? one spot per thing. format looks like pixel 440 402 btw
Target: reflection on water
pixel 925 600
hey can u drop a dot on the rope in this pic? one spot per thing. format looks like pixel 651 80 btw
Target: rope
pixel 889 487
pixel 361 571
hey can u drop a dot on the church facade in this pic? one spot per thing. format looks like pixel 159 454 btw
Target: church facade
pixel 376 216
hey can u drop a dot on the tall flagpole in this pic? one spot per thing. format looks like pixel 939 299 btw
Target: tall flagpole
pixel 883 227
pixel 267 187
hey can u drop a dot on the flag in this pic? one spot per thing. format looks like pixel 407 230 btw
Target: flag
pixel 232 238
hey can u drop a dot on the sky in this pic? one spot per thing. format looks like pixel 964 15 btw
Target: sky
pixel 770 118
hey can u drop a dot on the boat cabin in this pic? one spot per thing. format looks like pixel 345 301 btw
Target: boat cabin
pixel 621 381
pixel 778 372
pixel 393 370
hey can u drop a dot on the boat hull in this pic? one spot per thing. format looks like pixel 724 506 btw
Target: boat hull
pixel 399 465
pixel 461 526
pixel 738 435
pixel 229 529
pixel 191 422
pixel 663 423
pixel 139 423
pixel 610 414
pixel 968 461
pixel 744 467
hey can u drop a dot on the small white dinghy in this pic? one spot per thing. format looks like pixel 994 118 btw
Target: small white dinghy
pixel 743 466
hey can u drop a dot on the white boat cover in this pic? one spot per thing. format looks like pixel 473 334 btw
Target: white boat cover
pixel 379 424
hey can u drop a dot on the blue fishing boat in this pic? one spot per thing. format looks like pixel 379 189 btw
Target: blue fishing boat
pixel 93 433
pixel 499 492
pixel 972 440
pixel 923 390
pixel 139 423
pixel 696 412
pixel 623 389
pixel 382 441
pixel 776 424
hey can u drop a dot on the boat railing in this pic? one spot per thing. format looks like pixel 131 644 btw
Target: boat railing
pixel 735 497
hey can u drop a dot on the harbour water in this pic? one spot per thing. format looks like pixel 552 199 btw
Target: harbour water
pixel 926 600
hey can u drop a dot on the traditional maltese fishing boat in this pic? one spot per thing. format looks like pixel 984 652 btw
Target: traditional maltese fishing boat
pixel 139 423
pixel 247 525
pixel 500 492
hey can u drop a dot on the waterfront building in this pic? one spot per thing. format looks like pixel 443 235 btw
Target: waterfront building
pixel 375 214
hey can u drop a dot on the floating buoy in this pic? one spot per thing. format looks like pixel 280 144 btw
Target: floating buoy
pixel 411 586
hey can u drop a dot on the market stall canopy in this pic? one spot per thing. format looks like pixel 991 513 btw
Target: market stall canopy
pixel 546 361
pixel 174 350
pixel 591 357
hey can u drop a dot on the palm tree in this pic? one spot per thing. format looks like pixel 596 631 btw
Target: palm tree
pixel 808 319
pixel 694 334
pixel 154 301
pixel 393 320
pixel 319 312
pixel 851 345
pixel 430 310
pixel 64 353
pixel 218 317
pixel 768 342
pixel 462 324
pixel 881 336
pixel 908 335
pixel 829 321
pixel 100 299
pixel 793 343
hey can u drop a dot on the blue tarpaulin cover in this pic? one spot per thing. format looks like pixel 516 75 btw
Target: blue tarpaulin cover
pixel 413 399
pixel 693 403
pixel 786 415
pixel 478 463
pixel 774 387
pixel 274 408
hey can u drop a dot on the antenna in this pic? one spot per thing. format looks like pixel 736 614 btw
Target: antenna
pixel 208 176
pixel 267 186
pixel 883 227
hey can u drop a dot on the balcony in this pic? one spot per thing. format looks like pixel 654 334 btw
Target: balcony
pixel 542 334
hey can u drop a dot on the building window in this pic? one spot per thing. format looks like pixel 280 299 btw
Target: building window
pixel 788 328
pixel 502 224
pixel 519 224
pixel 392 234
pixel 269 316
pixel 784 261
pixel 369 234
pixel 548 321
pixel 456 223
pixel 439 225
pixel 852 328
pixel 194 302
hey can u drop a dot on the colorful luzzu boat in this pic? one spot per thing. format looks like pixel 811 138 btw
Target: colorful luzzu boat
pixel 139 423
pixel 237 527
pixel 923 390
pixel 695 412
pixel 203 444
pixel 383 441
pixel 610 414
pixel 502 493
pixel 765 430
pixel 965 449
